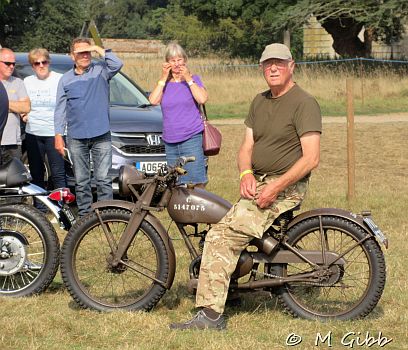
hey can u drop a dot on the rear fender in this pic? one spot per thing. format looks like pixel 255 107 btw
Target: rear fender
pixel 152 220
pixel 357 219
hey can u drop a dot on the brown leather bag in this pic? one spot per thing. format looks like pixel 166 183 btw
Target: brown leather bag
pixel 211 136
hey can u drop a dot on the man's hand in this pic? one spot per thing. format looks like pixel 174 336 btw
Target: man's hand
pixel 91 48
pixel 267 195
pixel 248 186
pixel 59 144
pixel 24 117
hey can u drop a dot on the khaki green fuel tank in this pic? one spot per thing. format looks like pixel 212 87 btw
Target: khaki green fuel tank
pixel 188 206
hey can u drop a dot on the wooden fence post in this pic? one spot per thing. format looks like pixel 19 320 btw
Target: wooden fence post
pixel 350 140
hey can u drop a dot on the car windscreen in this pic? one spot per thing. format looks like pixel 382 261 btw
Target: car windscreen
pixel 122 91
pixel 24 70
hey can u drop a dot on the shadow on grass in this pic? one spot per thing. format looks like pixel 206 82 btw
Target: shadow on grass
pixel 250 302
pixel 171 300
pixel 254 303
pixel 55 287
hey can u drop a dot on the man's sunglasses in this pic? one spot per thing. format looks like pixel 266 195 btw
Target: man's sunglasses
pixel 37 64
pixel 8 64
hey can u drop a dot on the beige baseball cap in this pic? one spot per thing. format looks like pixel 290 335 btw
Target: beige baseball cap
pixel 276 51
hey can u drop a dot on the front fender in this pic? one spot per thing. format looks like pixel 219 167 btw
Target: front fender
pixel 157 225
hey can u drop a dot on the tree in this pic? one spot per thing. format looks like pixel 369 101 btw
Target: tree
pixel 58 23
pixel 17 18
pixel 120 18
pixel 382 20
pixel 263 21
pixel 238 27
pixel 3 3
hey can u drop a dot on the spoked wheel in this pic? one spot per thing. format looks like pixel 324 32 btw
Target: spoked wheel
pixel 29 251
pixel 87 270
pixel 345 290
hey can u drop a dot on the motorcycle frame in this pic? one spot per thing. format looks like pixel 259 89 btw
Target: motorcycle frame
pixel 140 210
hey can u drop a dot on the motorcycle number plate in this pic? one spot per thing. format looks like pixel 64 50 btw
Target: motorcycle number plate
pixel 150 167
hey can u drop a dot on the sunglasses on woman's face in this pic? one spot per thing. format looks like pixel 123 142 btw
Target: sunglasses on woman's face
pixel 37 64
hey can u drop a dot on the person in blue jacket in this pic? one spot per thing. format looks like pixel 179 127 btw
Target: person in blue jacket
pixel 82 110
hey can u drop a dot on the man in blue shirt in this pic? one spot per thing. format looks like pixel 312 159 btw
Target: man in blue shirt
pixel 82 111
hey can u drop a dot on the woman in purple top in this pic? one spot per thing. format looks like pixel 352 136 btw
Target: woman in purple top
pixel 180 93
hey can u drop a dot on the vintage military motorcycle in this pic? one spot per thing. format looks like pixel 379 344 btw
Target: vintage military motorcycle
pixel 322 264
pixel 29 245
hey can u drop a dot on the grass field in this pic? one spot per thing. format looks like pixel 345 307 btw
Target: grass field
pixel 53 321
pixel 232 87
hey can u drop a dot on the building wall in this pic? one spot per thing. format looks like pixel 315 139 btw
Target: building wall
pixel 135 47
pixel 318 43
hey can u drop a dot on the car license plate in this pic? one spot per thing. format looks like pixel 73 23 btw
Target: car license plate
pixel 150 167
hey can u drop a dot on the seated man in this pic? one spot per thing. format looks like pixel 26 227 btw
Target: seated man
pixel 281 146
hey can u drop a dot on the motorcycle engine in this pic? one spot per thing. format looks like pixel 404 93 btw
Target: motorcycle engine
pixel 244 265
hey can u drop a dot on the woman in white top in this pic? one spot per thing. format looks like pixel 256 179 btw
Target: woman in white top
pixel 42 89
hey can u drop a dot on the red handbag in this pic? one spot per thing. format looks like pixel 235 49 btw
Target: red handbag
pixel 211 136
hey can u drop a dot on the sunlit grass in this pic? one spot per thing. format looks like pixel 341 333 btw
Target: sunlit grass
pixel 233 86
pixel 53 321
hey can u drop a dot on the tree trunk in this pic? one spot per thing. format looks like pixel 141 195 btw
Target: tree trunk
pixel 345 37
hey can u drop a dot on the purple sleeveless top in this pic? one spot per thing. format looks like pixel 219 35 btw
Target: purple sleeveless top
pixel 181 115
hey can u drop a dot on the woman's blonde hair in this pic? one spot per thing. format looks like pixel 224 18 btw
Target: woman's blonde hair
pixel 38 52
pixel 174 50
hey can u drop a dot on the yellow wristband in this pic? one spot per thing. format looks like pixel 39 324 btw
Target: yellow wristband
pixel 161 83
pixel 248 171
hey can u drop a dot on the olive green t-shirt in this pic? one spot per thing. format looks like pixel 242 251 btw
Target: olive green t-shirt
pixel 277 125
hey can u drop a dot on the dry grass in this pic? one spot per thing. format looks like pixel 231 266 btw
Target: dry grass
pixel 53 321
pixel 232 87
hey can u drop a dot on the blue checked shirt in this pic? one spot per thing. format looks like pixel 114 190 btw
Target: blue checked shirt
pixel 82 107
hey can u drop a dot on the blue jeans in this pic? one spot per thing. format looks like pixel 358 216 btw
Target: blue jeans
pixel 100 149
pixel 197 170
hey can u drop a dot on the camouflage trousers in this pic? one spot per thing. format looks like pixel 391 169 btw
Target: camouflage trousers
pixel 227 239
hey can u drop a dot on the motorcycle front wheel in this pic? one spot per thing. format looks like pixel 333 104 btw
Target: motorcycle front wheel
pixel 351 289
pixel 29 249
pixel 89 275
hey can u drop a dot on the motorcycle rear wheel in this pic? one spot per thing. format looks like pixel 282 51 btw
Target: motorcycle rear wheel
pixel 94 283
pixel 41 254
pixel 354 288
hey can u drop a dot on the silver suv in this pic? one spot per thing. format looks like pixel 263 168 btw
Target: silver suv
pixel 136 126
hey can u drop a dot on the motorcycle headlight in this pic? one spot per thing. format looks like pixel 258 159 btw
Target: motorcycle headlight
pixel 129 175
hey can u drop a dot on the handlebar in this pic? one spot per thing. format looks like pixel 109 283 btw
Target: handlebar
pixel 184 160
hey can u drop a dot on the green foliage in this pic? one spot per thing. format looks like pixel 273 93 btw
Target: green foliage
pixel 231 28
pixel 18 17
pixel 3 3
pixel 188 30
pixel 58 23
pixel 120 18
pixel 385 19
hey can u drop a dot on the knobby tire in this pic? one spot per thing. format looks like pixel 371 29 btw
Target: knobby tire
pixel 42 258
pixel 94 283
pixel 354 290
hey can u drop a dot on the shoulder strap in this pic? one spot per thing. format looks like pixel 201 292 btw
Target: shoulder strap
pixel 204 111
